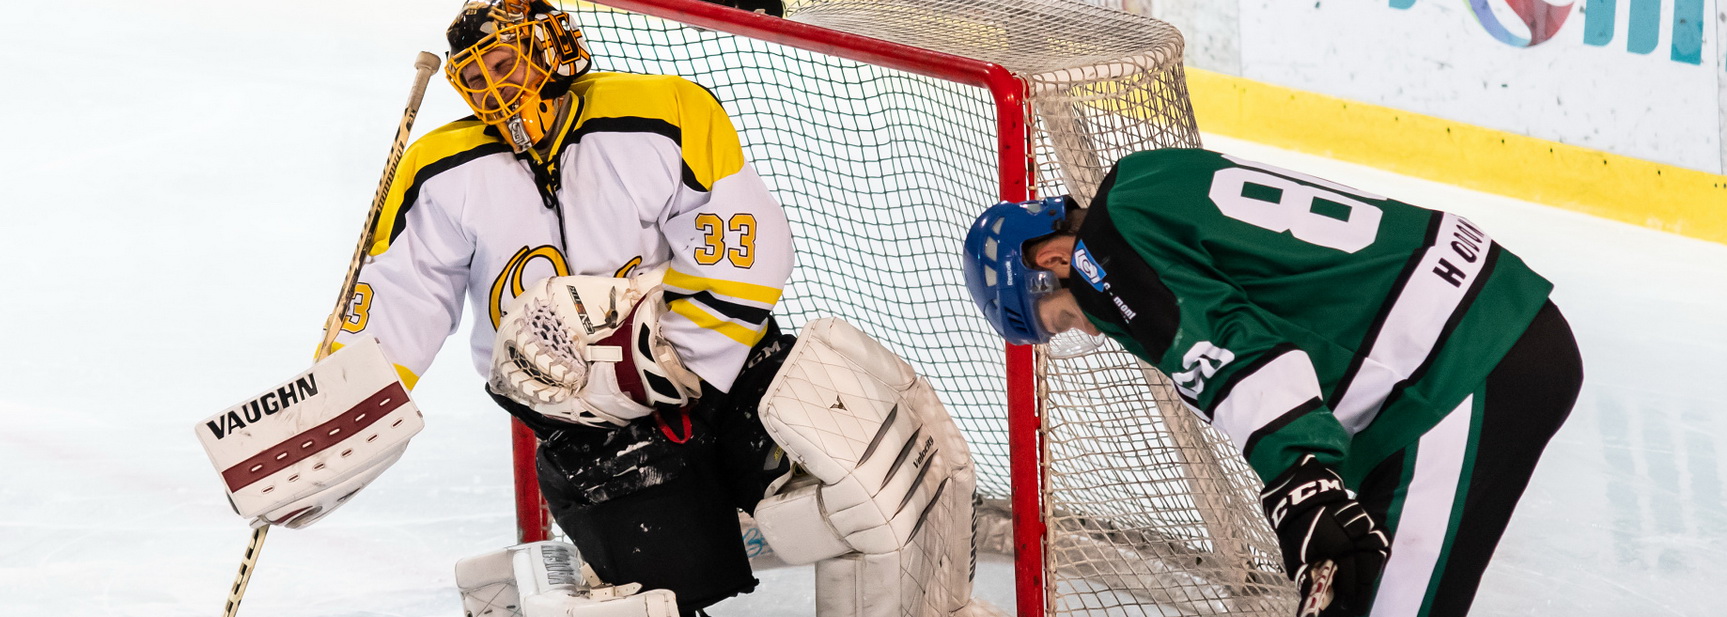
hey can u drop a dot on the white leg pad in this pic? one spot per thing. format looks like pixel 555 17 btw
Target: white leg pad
pixel 929 578
pixel 548 579
pixel 886 508
pixel 488 585
pixel 859 585
pixel 793 524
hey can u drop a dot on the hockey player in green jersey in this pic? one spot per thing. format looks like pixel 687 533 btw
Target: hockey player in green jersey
pixel 1391 372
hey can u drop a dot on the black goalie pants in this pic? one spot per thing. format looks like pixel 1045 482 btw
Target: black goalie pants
pixel 1447 499
pixel 656 502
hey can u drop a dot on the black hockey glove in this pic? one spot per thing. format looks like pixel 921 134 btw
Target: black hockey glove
pixel 1316 522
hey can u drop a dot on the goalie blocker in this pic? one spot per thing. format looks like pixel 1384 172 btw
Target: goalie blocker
pixel 294 453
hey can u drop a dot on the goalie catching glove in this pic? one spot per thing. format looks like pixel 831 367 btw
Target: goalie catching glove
pixel 588 350
pixel 1318 522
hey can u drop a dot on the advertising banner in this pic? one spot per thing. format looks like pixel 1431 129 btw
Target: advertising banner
pixel 1640 78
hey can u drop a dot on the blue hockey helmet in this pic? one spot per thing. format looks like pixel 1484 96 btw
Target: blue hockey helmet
pixel 1005 289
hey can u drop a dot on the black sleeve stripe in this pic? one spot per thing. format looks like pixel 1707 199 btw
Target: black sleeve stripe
pixel 1224 389
pixel 1284 420
pixel 732 310
pixel 427 173
pixel 1373 330
pixel 631 124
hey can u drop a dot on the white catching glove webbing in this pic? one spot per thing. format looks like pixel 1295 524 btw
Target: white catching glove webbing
pixel 588 350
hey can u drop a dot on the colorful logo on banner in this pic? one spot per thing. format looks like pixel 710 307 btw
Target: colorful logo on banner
pixel 1542 19
pixel 1600 23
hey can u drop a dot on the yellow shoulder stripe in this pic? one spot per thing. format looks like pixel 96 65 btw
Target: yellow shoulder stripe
pixel 736 289
pixel 445 142
pixel 709 143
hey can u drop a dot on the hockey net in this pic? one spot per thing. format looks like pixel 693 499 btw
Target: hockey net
pixel 884 127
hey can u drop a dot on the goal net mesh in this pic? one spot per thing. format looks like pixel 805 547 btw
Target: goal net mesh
pixel 881 172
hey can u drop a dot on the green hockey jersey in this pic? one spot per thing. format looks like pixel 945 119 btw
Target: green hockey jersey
pixel 1295 314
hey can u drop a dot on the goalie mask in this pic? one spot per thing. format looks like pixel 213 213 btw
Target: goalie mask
pixel 511 60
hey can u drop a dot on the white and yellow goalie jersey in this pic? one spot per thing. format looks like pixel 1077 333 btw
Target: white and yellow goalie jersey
pixel 649 172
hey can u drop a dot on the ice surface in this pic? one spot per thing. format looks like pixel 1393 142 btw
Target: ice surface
pixel 183 184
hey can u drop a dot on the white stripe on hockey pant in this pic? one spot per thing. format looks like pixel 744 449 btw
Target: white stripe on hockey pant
pixel 1426 515
pixel 1434 291
pixel 1277 387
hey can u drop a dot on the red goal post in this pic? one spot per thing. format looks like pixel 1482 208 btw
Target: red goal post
pixel 884 126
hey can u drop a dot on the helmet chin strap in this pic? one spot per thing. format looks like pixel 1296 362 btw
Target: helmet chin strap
pixel 555 124
pixel 517 131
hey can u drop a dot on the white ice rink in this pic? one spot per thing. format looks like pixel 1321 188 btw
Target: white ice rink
pixel 182 186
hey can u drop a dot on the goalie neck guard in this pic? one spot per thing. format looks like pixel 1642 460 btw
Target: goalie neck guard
pixel 511 60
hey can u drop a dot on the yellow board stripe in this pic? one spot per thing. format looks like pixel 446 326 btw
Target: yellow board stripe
pixel 733 331
pixel 742 291
pixel 1674 199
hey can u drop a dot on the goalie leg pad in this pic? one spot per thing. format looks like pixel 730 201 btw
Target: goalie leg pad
pixel 645 509
pixel 892 478
pixel 930 577
pixel 793 523
pixel 548 579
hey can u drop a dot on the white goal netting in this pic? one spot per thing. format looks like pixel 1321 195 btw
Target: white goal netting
pixel 881 171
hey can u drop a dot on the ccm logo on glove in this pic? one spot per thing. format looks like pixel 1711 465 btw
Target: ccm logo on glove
pixel 1300 494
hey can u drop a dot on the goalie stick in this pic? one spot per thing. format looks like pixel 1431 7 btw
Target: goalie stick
pixel 1318 596
pixel 424 65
